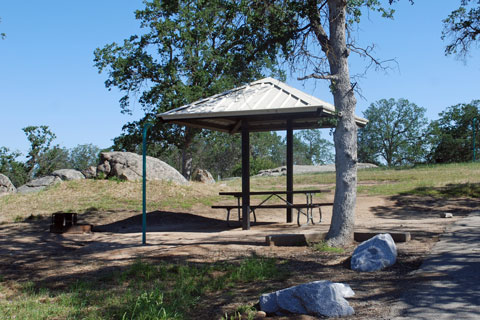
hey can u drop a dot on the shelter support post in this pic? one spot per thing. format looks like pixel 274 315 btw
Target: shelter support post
pixel 144 184
pixel 245 176
pixel 289 167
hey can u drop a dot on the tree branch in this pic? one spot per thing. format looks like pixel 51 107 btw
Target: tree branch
pixel 315 22
pixel 331 77
pixel 366 52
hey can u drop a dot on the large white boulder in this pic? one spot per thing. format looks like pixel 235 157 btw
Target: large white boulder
pixel 374 254
pixel 318 298
pixel 68 174
pixel 6 186
pixel 129 166
pixel 38 184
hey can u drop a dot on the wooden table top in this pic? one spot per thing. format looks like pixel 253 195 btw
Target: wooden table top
pixel 239 193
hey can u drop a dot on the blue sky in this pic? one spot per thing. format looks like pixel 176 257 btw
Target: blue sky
pixel 47 75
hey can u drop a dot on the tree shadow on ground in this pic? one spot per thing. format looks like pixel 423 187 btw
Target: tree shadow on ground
pixel 300 269
pixel 167 221
pixel 429 202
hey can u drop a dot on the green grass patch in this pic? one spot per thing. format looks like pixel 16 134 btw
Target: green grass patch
pixel 142 291
pixel 324 247
pixel 443 180
pixel 244 312
pixel 459 190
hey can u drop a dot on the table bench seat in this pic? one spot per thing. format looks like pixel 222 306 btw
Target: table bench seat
pixel 299 206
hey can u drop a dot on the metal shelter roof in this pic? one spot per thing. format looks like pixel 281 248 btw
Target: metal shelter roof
pixel 266 104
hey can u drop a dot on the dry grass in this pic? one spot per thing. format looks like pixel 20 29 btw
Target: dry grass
pixel 451 180
pixel 105 195
pixel 384 181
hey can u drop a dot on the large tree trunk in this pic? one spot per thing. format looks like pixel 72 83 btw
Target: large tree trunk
pixel 345 137
pixel 187 159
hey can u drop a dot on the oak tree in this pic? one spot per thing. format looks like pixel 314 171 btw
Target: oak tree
pixel 395 134
pixel 452 133
pixel 190 50
pixel 314 36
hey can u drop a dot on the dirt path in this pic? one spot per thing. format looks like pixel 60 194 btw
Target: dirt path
pixel 29 252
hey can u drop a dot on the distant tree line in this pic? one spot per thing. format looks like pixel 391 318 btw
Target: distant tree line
pixel 398 134
pixel 220 153
pixel 43 157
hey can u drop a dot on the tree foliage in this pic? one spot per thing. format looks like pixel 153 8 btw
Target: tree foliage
pixel 462 28
pixel 2 34
pixel 247 36
pixel 40 138
pixel 83 156
pixel 395 133
pixel 309 148
pixel 43 158
pixel 52 159
pixel 315 36
pixel 10 166
pixel 452 133
pixel 190 50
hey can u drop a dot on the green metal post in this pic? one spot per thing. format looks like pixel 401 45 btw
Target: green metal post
pixel 474 126
pixel 144 184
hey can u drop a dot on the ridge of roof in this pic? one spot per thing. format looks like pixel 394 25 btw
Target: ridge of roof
pixel 253 95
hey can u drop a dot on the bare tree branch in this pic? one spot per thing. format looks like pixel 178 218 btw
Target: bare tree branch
pixel 331 77
pixel 366 53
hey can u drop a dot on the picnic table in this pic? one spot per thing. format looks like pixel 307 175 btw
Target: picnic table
pixel 305 209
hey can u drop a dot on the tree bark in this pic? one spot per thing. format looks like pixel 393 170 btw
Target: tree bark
pixel 345 136
pixel 187 159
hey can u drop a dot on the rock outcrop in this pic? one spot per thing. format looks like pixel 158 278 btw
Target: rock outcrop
pixel 90 172
pixel 203 176
pixel 280 171
pixel 374 254
pixel 38 184
pixel 128 166
pixel 6 186
pixel 68 174
pixel 318 298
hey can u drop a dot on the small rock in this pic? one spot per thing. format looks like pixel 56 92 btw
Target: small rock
pixel 374 254
pixel 203 176
pixel 446 215
pixel 260 315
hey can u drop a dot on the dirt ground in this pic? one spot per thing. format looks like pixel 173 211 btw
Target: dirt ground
pixel 29 252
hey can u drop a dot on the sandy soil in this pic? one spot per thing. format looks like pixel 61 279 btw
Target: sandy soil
pixel 29 252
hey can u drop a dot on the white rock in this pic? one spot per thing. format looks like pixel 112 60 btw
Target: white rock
pixel 374 254
pixel 68 174
pixel 319 298
pixel 446 215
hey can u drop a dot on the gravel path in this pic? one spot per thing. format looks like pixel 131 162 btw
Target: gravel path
pixel 448 285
